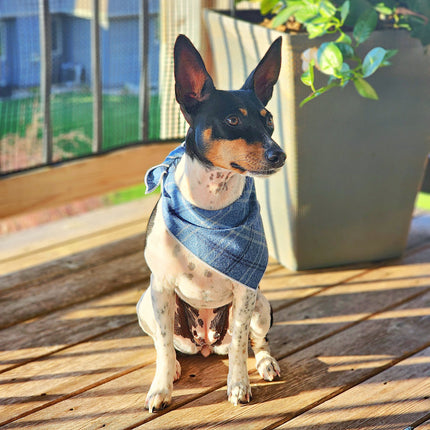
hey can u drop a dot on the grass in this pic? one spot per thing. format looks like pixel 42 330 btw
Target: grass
pixel 423 201
pixel 72 124
pixel 126 195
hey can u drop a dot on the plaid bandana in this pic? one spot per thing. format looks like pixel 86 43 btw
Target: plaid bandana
pixel 230 240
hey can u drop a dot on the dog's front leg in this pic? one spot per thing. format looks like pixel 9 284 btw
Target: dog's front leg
pixel 163 305
pixel 238 388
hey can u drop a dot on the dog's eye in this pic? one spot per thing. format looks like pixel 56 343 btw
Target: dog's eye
pixel 269 121
pixel 232 120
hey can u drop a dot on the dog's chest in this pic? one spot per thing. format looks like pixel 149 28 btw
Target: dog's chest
pixel 195 282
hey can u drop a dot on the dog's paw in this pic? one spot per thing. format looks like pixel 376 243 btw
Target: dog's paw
pixel 268 368
pixel 177 371
pixel 239 392
pixel 158 400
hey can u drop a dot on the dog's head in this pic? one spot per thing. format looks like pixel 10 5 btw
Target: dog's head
pixel 229 129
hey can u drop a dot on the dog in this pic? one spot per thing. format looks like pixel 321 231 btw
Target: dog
pixel 205 242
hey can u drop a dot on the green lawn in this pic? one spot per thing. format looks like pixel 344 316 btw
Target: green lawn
pixel 423 201
pixel 72 123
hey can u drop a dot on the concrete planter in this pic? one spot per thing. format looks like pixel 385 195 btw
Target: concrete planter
pixel 354 166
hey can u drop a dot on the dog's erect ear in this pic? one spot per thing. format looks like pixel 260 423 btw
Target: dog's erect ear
pixel 193 83
pixel 265 75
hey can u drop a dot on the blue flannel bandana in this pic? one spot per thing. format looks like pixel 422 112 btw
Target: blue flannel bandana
pixel 230 240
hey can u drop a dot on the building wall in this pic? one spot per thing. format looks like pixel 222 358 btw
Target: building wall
pixel 77 43
pixel 26 70
pixel 120 50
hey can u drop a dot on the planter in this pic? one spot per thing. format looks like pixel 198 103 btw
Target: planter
pixel 354 165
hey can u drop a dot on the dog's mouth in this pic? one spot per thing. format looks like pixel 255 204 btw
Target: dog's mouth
pixel 237 167
pixel 263 173
pixel 260 173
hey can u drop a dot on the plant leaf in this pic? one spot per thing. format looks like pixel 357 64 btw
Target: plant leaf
pixel 308 77
pixel 315 30
pixel 330 58
pixel 383 8
pixel 283 16
pixel 267 5
pixel 373 60
pixel 365 25
pixel 365 89
pixel 344 38
pixel 347 50
pixel 390 53
pixel 327 9
pixel 344 11
pixel 318 93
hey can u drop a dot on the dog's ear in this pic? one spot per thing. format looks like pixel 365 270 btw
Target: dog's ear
pixel 264 76
pixel 193 83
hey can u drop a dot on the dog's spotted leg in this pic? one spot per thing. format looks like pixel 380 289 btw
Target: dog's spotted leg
pixel 238 387
pixel 261 321
pixel 167 368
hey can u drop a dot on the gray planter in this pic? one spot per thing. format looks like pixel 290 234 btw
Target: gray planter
pixel 354 165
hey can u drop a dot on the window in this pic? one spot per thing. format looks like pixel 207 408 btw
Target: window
pixel 57 35
pixel 2 41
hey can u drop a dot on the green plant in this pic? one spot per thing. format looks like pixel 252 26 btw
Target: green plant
pixel 351 23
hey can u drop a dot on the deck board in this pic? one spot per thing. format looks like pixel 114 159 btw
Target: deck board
pixel 424 425
pixel 309 376
pixel 66 265
pixel 61 329
pixel 72 354
pixel 22 303
pixel 392 399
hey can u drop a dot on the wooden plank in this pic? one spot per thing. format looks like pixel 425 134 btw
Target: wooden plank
pixel 22 303
pixel 120 396
pixel 393 399
pixel 311 376
pixel 353 305
pixel 57 330
pixel 74 370
pixel 74 246
pixel 74 228
pixel 65 266
pixel 423 426
pixel 73 235
pixel 53 186
pixel 334 309
pixel 284 287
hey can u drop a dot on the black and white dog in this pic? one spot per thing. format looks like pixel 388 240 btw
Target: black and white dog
pixel 205 243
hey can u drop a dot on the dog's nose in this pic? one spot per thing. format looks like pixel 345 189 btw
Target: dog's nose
pixel 276 156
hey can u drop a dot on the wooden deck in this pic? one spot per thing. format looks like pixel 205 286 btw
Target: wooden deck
pixel 353 343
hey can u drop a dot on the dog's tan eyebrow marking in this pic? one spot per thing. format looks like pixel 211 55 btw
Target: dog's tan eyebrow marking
pixel 243 111
pixel 263 112
pixel 207 135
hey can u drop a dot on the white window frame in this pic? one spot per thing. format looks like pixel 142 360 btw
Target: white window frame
pixel 3 41
pixel 56 20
